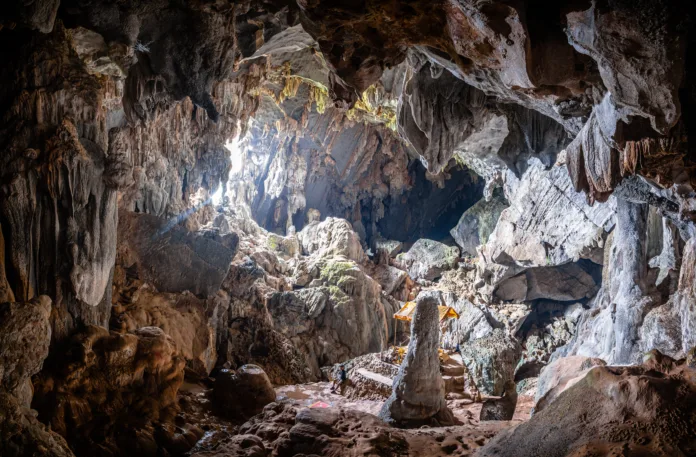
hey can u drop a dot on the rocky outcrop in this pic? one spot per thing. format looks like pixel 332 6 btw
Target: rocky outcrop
pixel 21 434
pixel 491 361
pixel 477 223
pixel 560 375
pixel 331 237
pixel 155 247
pixel 590 416
pixel 418 394
pixel 114 393
pixel 25 335
pixel 242 393
pixel 428 259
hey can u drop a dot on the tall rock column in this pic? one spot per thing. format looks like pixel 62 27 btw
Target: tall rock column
pixel 628 265
pixel 418 392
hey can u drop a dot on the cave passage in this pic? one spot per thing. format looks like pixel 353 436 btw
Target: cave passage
pixel 427 210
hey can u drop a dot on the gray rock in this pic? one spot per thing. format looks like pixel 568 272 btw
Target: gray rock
pixel 331 237
pixel 491 361
pixel 477 223
pixel 427 259
pixel 418 394
pixel 159 247
pixel 390 278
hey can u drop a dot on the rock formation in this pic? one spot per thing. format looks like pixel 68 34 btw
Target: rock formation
pixel 188 188
pixel 418 394
pixel 242 393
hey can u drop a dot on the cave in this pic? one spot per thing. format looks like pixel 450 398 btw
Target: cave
pixel 291 228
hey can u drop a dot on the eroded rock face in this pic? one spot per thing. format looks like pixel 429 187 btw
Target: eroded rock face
pixel 21 434
pixel 25 334
pixel 427 259
pixel 156 247
pixel 106 392
pixel 589 416
pixel 418 394
pixel 491 361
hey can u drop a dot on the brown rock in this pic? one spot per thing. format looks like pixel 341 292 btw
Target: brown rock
pixel 242 393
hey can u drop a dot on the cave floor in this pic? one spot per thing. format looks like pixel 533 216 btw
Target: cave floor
pixel 306 395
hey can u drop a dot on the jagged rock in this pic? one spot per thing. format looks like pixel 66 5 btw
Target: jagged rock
pixel 471 325
pixel 331 237
pixel 611 331
pixel 390 278
pixel 477 223
pixel 187 319
pixel 344 318
pixel 242 393
pixel 559 375
pixel 547 224
pixel 22 435
pixel 503 408
pixel 590 417
pixel 418 394
pixel 157 247
pixel 684 301
pixel 25 334
pixel 106 392
pixel 491 361
pixel 566 282
pixel 427 259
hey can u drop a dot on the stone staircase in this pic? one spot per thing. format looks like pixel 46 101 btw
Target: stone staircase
pixel 453 373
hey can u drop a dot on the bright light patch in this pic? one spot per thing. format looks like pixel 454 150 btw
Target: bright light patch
pixel 217 196
pixel 235 156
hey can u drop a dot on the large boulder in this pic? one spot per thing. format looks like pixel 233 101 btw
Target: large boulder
pixel 242 393
pixel 418 393
pixel 628 410
pixel 477 223
pixel 331 237
pixel 25 335
pixel 427 259
pixel 491 361
pixel 171 257
pixel 560 375
pixel 568 282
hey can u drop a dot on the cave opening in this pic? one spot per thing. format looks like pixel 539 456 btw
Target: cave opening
pixel 431 208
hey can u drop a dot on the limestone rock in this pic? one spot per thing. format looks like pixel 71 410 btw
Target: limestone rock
pixel 418 394
pixel 427 259
pixel 477 223
pixel 503 408
pixel 390 278
pixel 589 417
pixel 560 375
pixel 471 325
pixel 158 247
pixel 106 391
pixel 547 223
pixel 242 393
pixel 21 434
pixel 25 335
pixel 187 319
pixel 491 361
pixel 331 237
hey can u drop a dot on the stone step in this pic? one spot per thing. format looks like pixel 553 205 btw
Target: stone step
pixel 374 376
